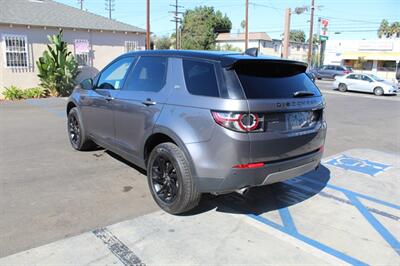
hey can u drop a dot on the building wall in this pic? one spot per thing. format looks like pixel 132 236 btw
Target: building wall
pixel 337 52
pixel 297 51
pixel 239 44
pixel 104 47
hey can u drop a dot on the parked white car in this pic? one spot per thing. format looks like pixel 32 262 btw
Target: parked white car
pixel 364 83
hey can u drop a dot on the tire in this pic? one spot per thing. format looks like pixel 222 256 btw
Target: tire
pixel 342 87
pixel 378 91
pixel 334 77
pixel 76 132
pixel 170 180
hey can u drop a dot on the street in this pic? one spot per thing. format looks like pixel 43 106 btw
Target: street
pixel 88 201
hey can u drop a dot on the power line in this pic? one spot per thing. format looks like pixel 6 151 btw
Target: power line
pixel 110 7
pixel 177 19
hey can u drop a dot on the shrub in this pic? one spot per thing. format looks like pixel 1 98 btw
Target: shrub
pixel 57 67
pixel 13 93
pixel 36 92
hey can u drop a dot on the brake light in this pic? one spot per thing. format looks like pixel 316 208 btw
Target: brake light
pixel 249 165
pixel 241 122
pixel 346 72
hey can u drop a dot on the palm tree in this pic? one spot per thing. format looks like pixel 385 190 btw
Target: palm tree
pixel 395 29
pixel 383 29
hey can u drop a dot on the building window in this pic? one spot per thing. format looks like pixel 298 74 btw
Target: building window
pixel 131 46
pixel 298 47
pixel 16 51
pixel 359 64
pixel 387 66
pixel 82 52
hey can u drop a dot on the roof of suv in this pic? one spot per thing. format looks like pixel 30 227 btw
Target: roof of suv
pixel 226 57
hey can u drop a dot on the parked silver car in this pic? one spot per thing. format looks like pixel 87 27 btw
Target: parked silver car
pixel 202 121
pixel 365 83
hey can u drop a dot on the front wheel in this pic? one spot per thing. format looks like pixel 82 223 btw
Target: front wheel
pixel 378 91
pixel 76 132
pixel 342 87
pixel 170 180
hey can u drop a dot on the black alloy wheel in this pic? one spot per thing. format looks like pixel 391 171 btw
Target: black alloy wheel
pixel 164 179
pixel 74 130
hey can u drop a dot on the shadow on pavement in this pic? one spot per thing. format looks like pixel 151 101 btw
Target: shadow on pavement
pixel 264 199
pixel 258 200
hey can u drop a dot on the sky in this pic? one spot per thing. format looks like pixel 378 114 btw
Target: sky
pixel 357 19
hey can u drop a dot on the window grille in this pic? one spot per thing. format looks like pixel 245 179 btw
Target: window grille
pixel 131 46
pixel 16 51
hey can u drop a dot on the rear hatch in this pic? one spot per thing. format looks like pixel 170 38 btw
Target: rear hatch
pixel 288 105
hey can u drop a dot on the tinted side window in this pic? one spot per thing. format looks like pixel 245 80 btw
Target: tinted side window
pixel 113 76
pixel 200 78
pixel 352 76
pixel 365 78
pixel 149 74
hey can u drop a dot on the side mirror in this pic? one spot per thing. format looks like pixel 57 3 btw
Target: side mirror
pixel 87 84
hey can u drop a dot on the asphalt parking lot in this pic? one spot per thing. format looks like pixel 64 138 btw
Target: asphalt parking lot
pixel 61 206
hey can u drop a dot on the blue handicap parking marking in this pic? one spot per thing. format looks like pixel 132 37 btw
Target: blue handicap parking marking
pixel 358 165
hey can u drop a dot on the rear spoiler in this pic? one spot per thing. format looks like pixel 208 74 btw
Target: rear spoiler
pixel 273 67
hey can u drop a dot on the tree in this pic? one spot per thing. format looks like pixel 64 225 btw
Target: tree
pixel 243 24
pixel 57 67
pixel 163 43
pixel 315 39
pixel 383 28
pixel 297 36
pixel 395 29
pixel 201 26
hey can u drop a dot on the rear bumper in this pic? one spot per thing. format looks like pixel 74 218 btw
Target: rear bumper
pixel 270 173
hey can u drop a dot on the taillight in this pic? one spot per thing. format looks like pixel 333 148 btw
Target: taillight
pixel 346 72
pixel 241 122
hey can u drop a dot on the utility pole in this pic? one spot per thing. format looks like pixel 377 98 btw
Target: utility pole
pixel 177 20
pixel 148 25
pixel 246 32
pixel 110 6
pixel 286 34
pixel 310 38
pixel 81 3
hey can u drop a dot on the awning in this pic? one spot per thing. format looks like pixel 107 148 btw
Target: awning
pixel 395 56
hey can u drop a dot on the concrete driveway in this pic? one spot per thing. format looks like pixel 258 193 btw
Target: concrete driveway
pixel 337 215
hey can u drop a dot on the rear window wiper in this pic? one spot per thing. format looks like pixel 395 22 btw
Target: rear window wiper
pixel 302 94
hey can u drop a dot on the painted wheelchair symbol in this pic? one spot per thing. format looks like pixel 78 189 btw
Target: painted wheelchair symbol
pixel 358 165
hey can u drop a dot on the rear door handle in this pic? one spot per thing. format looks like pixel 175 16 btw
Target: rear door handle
pixel 148 102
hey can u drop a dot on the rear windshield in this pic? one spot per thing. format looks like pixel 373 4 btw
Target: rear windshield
pixel 274 80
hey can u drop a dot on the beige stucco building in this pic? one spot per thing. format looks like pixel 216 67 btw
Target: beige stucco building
pixel 94 40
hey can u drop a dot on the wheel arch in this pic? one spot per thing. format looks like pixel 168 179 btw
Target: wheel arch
pixel 70 105
pixel 161 135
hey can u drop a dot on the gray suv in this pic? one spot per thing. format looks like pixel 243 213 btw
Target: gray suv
pixel 202 122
